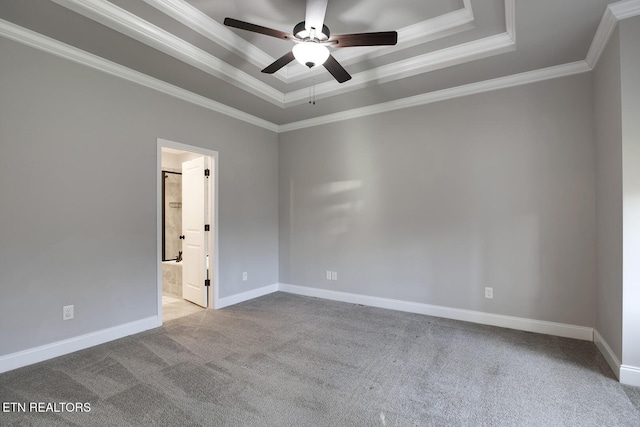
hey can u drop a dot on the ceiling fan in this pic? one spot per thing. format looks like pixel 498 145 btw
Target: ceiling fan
pixel 312 38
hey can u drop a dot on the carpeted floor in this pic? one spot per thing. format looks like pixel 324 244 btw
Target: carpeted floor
pixel 286 360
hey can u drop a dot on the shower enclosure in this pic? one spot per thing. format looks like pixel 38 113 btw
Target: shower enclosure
pixel 171 215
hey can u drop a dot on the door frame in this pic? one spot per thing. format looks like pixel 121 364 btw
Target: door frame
pixel 214 289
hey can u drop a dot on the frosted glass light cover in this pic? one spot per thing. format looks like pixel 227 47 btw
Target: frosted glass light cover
pixel 310 54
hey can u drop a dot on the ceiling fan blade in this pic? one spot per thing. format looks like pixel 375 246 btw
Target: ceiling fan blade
pixel 279 63
pixel 314 18
pixel 336 70
pixel 230 22
pixel 384 38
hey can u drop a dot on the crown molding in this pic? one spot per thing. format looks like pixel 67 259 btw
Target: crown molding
pixel 613 13
pixel 435 28
pixel 14 32
pixel 510 18
pixel 445 94
pixel 625 9
pixel 129 24
pixel 601 39
pixel 211 29
pixel 477 49
pixel 54 47
pixel 38 41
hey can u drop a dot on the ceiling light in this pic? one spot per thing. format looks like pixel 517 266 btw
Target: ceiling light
pixel 310 53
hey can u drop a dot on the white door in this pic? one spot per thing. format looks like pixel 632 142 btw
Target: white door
pixel 194 245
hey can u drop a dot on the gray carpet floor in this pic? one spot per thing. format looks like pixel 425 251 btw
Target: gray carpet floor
pixel 286 360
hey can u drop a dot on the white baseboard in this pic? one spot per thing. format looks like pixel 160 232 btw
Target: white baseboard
pixel 245 296
pixel 630 375
pixel 49 351
pixel 608 354
pixel 530 325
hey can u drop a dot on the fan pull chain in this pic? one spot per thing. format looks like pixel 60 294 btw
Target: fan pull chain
pixel 312 93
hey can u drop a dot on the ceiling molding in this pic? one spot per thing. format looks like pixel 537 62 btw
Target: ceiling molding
pixel 471 51
pixel 127 23
pixel 38 41
pixel 435 28
pixel 445 94
pixel 625 9
pixel 49 45
pixel 613 13
pixel 510 18
pixel 211 29
pixel 601 39
pixel 620 10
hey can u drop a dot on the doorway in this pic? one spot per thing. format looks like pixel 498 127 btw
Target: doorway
pixel 187 229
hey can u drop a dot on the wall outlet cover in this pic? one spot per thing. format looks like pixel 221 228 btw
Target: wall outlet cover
pixel 67 312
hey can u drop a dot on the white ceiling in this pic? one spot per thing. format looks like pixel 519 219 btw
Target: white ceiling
pixel 443 45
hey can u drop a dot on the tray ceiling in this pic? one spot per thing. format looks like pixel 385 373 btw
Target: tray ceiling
pixel 442 45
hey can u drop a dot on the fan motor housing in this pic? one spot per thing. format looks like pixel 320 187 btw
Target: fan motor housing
pixel 301 32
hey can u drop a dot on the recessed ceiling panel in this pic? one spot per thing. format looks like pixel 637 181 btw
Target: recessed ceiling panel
pixel 442 44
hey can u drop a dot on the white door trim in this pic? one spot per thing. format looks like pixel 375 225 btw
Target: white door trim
pixel 214 289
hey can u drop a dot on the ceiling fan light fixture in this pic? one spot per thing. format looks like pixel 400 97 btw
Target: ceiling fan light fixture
pixel 310 53
pixel 311 38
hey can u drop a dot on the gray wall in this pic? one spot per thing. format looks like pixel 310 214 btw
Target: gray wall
pixel 608 136
pixel 429 204
pixel 630 79
pixel 78 196
pixel 433 203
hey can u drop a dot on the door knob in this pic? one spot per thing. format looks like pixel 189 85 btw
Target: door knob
pixel 182 237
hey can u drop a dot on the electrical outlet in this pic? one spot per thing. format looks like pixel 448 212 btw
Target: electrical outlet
pixel 244 276
pixel 488 293
pixel 67 312
pixel 334 275
pixel 328 275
